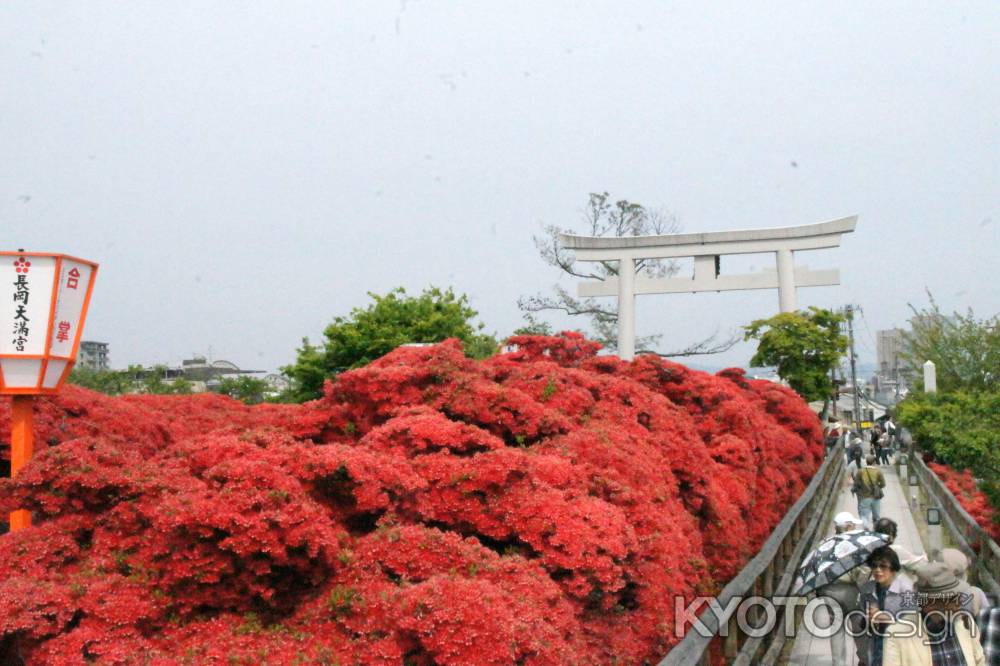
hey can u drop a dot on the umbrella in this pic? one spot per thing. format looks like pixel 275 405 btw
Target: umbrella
pixel 834 557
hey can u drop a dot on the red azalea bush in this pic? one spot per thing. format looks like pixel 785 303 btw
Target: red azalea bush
pixel 544 506
pixel 963 486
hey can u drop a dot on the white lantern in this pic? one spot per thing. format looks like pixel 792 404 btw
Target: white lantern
pixel 43 306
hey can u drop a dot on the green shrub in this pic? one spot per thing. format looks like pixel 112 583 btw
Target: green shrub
pixel 963 429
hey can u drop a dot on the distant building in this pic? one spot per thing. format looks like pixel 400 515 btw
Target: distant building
pixel 206 375
pixel 767 375
pixel 871 410
pixel 93 355
pixel 277 383
pixel 889 346
pixel 889 383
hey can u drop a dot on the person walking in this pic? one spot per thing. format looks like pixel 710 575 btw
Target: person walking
pixel 868 485
pixel 853 466
pixel 877 450
pixel 958 564
pixel 844 592
pixel 884 447
pixel 989 634
pixel 883 599
pixel 855 449
pixel 941 633
pixel 908 561
pixel 832 432
pixel 889 427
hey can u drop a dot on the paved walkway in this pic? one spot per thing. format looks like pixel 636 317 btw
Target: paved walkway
pixel 811 651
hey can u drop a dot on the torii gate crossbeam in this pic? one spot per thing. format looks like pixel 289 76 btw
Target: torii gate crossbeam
pixel 706 248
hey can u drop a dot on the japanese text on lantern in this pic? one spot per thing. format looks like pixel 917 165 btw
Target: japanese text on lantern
pixel 74 277
pixel 21 297
pixel 43 305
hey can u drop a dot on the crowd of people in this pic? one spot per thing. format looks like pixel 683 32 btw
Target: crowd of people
pixel 901 608
pixel 867 481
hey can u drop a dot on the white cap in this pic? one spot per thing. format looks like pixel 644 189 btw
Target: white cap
pixel 845 517
pixel 956 561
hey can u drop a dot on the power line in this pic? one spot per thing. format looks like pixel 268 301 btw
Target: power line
pixel 868 330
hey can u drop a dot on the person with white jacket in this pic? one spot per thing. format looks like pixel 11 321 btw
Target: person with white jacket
pixel 883 598
pixel 907 560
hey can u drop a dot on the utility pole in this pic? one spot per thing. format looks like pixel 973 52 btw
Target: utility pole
pixel 895 378
pixel 849 311
pixel 836 390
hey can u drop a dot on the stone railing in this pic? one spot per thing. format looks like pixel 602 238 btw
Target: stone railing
pixel 770 573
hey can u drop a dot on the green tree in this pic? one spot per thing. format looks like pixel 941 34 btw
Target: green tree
pixel 246 389
pixel 154 381
pixel 390 321
pixel 959 427
pixel 803 346
pixel 307 374
pixel 533 326
pixel 111 382
pixel 960 422
pixel 135 379
pixel 966 350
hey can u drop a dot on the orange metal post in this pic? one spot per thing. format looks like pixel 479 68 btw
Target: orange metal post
pixel 21 447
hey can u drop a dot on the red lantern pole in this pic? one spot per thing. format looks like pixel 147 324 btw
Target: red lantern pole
pixel 22 437
pixel 43 353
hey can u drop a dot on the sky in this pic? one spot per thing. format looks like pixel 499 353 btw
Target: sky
pixel 245 172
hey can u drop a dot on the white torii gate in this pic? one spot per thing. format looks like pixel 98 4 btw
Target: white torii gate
pixel 706 248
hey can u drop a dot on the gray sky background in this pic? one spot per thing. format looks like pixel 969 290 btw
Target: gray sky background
pixel 244 172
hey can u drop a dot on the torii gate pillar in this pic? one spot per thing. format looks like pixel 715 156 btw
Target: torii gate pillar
pixel 626 308
pixel 786 281
pixel 706 249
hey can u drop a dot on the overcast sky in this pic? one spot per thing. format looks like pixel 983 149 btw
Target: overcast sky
pixel 244 172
